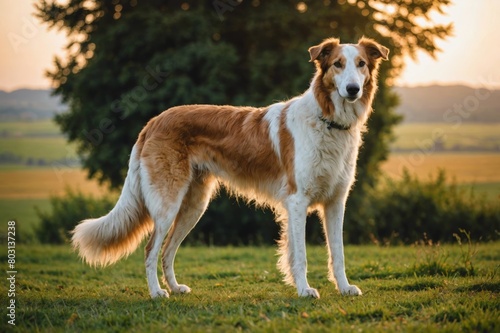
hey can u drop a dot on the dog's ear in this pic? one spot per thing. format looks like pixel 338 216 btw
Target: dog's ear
pixel 323 50
pixel 373 49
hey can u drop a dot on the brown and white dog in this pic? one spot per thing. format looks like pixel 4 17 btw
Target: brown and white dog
pixel 297 157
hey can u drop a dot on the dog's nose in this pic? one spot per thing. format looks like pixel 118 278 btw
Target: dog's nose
pixel 352 89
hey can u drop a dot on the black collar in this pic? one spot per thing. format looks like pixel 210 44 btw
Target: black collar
pixel 332 124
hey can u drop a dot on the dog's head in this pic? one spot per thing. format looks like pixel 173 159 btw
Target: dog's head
pixel 348 68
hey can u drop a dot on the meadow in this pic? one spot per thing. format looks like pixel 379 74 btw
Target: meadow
pixel 421 288
pixel 477 170
pixel 465 137
pixel 424 287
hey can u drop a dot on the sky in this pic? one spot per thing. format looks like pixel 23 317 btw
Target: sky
pixel 470 57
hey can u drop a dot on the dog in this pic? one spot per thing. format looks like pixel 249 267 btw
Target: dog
pixel 296 157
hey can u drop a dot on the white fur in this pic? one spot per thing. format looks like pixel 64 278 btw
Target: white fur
pixel 350 73
pixel 107 239
pixel 325 164
pixel 273 118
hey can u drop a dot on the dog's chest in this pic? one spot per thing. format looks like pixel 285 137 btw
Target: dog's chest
pixel 326 164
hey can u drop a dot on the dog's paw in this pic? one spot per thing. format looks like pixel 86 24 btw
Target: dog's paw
pixel 351 290
pixel 309 292
pixel 159 293
pixel 181 289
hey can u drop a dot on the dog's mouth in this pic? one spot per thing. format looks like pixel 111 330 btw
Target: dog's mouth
pixel 348 98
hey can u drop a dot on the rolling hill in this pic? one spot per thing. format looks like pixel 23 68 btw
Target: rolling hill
pixel 424 104
pixel 448 104
pixel 29 104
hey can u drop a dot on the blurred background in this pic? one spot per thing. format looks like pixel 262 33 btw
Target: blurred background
pixel 79 80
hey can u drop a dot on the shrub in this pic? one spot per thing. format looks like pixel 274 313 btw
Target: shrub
pixel 398 211
pixel 408 208
pixel 67 212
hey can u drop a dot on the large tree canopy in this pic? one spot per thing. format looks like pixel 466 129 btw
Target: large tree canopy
pixel 128 60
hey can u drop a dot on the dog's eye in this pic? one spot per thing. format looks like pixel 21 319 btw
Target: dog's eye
pixel 361 63
pixel 337 64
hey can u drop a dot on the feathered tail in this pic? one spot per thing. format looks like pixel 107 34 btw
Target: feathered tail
pixel 105 240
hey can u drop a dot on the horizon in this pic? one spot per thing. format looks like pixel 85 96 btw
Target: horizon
pixel 24 35
pixel 436 84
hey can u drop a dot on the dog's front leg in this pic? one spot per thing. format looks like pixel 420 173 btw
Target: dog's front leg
pixel 333 223
pixel 296 231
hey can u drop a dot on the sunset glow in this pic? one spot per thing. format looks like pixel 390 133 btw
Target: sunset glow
pixel 469 57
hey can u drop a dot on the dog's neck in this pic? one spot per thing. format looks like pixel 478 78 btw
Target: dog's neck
pixel 330 124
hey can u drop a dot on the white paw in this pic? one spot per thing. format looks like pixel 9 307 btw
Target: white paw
pixel 181 289
pixel 351 290
pixel 159 293
pixel 309 292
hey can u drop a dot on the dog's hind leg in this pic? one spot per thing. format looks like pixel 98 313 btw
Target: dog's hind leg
pixel 163 195
pixel 193 206
pixel 162 223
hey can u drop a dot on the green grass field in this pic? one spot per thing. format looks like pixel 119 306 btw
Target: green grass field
pixel 476 171
pixel 412 289
pixel 464 136
pixel 47 148
pixel 29 128
pixel 489 190
pixel 35 140
pixel 406 289
pixel 22 211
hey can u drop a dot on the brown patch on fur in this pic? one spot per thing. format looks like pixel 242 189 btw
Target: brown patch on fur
pixel 323 56
pixel 372 53
pixel 287 151
pixel 322 95
pixel 228 139
pixel 139 144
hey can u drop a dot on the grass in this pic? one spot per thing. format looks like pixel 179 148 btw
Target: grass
pixel 35 140
pixel 468 136
pixel 48 148
pixel 41 183
pixel 22 211
pixel 475 171
pixel 21 190
pixel 29 128
pixel 465 167
pixel 490 190
pixel 240 289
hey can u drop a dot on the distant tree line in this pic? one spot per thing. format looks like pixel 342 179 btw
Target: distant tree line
pixel 14 159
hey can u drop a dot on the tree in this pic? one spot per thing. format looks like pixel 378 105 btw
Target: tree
pixel 128 60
